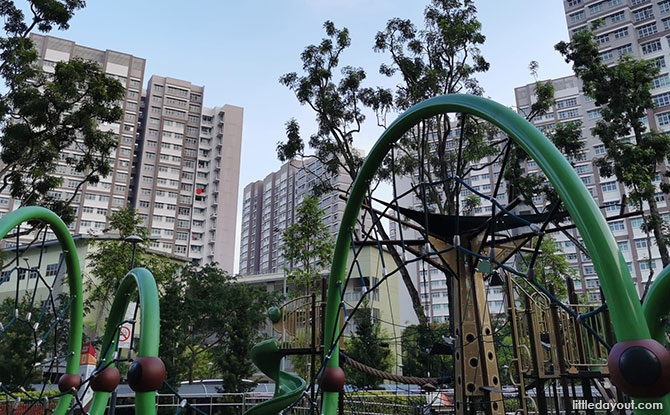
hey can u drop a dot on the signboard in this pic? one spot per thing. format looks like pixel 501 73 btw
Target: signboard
pixel 87 366
pixel 126 330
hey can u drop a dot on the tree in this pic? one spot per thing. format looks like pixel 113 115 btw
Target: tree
pixel 417 342
pixel 43 115
pixel 110 259
pixel 551 267
pixel 368 345
pixel 633 153
pixel 207 316
pixel 18 351
pixel 307 245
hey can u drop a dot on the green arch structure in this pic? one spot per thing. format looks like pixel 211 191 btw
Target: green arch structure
pixel 138 278
pixel 628 318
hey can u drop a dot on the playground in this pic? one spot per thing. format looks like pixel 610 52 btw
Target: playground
pixel 548 350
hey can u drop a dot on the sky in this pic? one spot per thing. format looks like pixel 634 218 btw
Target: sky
pixel 239 49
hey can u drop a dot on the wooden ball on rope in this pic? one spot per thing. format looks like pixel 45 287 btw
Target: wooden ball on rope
pixel 146 374
pixel 106 380
pixel 333 379
pixel 69 382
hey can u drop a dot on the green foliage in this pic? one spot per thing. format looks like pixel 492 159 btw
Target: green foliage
pixel 307 246
pixel 46 114
pixel 566 136
pixel 368 345
pixel 336 104
pixel 633 154
pixel 207 316
pixel 110 260
pixel 552 268
pixel 417 342
pixel 18 354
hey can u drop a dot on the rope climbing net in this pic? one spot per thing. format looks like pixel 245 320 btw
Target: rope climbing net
pixel 451 208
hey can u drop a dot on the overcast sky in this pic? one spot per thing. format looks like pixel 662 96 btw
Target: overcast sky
pixel 239 49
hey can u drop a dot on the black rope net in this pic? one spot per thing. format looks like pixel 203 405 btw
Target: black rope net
pixel 34 321
pixel 35 305
pixel 455 197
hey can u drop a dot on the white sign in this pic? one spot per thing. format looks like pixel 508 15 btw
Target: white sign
pixel 126 330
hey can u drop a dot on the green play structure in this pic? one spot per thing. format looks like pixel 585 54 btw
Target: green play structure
pixel 138 279
pixel 634 324
pixel 638 363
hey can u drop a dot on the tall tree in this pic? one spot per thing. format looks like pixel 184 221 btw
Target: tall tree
pixel 338 109
pixel 110 260
pixel 551 267
pixel 18 351
pixel 206 315
pixel 417 343
pixel 633 152
pixel 307 245
pixel 43 115
pixel 368 345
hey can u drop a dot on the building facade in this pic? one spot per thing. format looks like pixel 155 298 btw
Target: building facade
pixel 640 28
pixel 269 206
pixel 187 172
pixel 177 161
pixel 95 201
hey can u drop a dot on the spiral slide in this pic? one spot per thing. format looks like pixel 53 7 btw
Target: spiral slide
pixel 288 387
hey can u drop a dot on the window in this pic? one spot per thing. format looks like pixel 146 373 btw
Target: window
pixel 572 3
pixel 645 13
pixel 661 80
pixel 647 30
pixel 608 187
pixel 663 119
pixel 624 49
pixel 570 102
pixel 620 33
pixel 575 17
pixel 568 114
pixel 664 6
pixel 607 55
pixel 595 8
pixel 599 149
pixel 52 270
pixel 651 47
pixel 154 121
pixel 617 17
pixel 662 99
pixel 623 246
pixel 593 114
pixel 612 3
pixel 177 91
pixel 617 226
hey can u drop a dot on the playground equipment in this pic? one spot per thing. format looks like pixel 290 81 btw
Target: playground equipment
pixel 556 345
pixel 146 373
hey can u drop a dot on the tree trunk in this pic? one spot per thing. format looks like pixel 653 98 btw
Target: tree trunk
pixel 407 279
pixel 658 232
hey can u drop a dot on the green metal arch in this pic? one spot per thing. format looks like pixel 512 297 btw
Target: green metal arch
pixel 624 307
pixel 25 214
pixel 139 279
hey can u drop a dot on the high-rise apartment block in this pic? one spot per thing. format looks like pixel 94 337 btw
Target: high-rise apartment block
pixel 640 28
pixel 177 161
pixel 187 173
pixel 269 208
pixel 96 201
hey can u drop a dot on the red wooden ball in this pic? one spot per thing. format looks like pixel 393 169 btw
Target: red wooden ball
pixel 146 374
pixel 333 379
pixel 640 368
pixel 107 380
pixel 68 382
